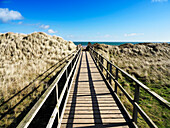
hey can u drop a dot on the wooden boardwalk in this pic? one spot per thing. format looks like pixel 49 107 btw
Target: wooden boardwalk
pixel 90 103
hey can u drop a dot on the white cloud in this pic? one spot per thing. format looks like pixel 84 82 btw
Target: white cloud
pixel 133 34
pixel 7 15
pixel 107 36
pixel 45 26
pixel 20 22
pixel 51 31
pixel 70 36
pixel 159 0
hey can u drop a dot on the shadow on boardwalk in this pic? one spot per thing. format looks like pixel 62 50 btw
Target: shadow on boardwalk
pixel 86 71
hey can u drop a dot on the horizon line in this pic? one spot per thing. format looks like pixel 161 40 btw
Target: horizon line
pixel 165 41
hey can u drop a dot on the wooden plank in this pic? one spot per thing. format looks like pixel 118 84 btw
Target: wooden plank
pixel 91 96
pixel 93 125
pixel 90 116
pixel 93 112
pixel 84 105
pixel 92 108
pixel 96 91
pixel 100 121
pixel 90 101
pixel 89 88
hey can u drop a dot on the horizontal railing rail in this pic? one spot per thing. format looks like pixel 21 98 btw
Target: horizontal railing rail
pixel 61 97
pixel 134 101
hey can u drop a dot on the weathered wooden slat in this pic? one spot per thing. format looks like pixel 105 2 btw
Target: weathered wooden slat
pixel 86 125
pixel 90 102
pixel 84 105
pixel 96 121
pixel 92 108
pixel 90 116
pixel 90 96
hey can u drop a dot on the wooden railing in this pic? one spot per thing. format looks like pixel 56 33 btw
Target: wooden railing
pixel 61 95
pixel 99 60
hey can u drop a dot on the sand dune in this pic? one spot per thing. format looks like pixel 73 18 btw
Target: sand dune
pixel 148 62
pixel 23 57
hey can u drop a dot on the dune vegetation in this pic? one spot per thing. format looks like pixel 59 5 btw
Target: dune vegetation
pixel 22 59
pixel 150 64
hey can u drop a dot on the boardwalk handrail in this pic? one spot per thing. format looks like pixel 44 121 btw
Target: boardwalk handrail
pixel 135 102
pixel 59 98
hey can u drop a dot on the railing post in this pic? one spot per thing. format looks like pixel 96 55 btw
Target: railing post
pixel 58 117
pixel 136 99
pixel 107 75
pixel 67 76
pixel 99 61
pixel 71 64
pixel 110 70
pixel 102 63
pixel 66 73
pixel 96 57
pixel 116 79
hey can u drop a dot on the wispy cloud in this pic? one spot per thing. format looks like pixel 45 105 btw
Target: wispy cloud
pixel 44 26
pixel 103 36
pixel 133 34
pixel 70 36
pixel 107 36
pixel 8 15
pixel 20 22
pixel 51 31
pixel 159 0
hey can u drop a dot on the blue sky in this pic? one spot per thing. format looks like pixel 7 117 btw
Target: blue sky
pixel 89 20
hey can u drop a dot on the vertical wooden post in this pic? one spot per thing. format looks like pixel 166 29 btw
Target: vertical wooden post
pixel 71 64
pixel 99 62
pixel 58 119
pixel 96 57
pixel 102 63
pixel 66 77
pixel 66 73
pixel 116 79
pixel 107 75
pixel 110 70
pixel 136 99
